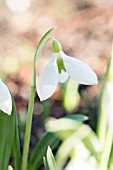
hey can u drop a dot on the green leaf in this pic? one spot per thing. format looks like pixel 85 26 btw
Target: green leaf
pixel 50 159
pixel 45 163
pixel 16 147
pixel 36 158
pixel 7 132
pixel 78 117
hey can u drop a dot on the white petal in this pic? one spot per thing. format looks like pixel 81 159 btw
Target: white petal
pixel 48 80
pixel 10 167
pixel 18 5
pixel 63 76
pixel 5 99
pixel 79 71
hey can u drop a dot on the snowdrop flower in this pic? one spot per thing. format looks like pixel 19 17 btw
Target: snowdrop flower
pixel 5 99
pixel 59 69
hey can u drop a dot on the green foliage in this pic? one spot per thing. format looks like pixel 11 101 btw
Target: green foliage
pixel 77 140
pixel 70 131
pixel 16 147
pixel 50 160
pixel 36 158
pixel 7 136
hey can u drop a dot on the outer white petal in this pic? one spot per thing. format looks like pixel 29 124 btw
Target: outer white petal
pixel 48 80
pixel 79 71
pixel 5 99
pixel 63 76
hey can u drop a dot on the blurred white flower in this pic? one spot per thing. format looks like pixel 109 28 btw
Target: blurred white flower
pixel 79 164
pixel 18 5
pixel 10 167
pixel 5 99
pixel 59 69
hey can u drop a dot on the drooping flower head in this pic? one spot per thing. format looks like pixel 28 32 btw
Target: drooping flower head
pixel 5 99
pixel 60 67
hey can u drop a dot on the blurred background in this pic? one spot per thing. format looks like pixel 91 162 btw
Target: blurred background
pixel 85 30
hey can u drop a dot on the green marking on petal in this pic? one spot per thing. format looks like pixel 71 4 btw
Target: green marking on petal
pixel 60 65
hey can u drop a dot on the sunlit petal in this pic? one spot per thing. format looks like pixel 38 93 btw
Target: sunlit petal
pixel 79 71
pixel 63 76
pixel 5 99
pixel 48 80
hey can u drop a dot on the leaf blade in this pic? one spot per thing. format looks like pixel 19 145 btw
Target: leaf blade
pixel 7 131
pixel 36 159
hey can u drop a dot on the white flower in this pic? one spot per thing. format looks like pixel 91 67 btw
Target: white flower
pixel 5 99
pixel 79 164
pixel 18 5
pixel 10 167
pixel 59 69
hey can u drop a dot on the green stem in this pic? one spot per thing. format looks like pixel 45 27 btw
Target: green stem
pixel 101 128
pixel 102 121
pixel 106 151
pixel 28 129
pixel 40 46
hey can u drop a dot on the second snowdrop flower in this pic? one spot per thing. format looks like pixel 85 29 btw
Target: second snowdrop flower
pixel 59 69
pixel 5 99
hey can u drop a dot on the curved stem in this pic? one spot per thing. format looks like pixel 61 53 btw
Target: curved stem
pixel 41 45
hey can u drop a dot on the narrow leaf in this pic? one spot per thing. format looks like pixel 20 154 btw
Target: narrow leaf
pixel 16 148
pixel 45 163
pixel 7 132
pixel 36 158
pixel 50 159
pixel 78 117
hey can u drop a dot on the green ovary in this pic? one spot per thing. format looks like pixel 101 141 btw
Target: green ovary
pixel 60 65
